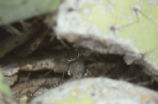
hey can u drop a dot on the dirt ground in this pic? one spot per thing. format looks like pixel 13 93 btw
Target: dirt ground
pixel 33 62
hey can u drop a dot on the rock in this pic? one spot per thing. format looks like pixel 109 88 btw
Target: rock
pixel 128 28
pixel 98 91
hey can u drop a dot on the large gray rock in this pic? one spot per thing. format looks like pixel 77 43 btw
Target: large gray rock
pixel 98 91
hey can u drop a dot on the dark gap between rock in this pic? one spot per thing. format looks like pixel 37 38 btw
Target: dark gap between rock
pixel 34 83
